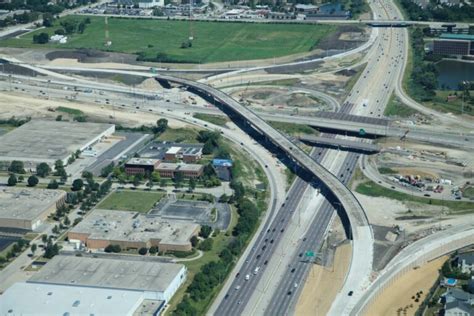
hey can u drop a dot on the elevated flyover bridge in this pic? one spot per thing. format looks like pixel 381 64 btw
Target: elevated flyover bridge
pixel 354 211
pixel 339 143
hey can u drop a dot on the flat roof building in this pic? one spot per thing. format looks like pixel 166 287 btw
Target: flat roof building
pixel 454 44
pixel 141 166
pixel 169 170
pixel 27 208
pixel 47 141
pixel 133 230
pixel 48 299
pixel 157 280
pixel 191 154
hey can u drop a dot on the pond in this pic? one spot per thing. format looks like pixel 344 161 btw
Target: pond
pixel 452 72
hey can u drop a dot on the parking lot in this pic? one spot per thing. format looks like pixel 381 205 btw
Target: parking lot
pixel 196 211
pixel 128 144
pixel 157 150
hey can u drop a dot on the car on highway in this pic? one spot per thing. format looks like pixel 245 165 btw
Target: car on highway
pixel 256 270
pixel 237 287
pixel 247 277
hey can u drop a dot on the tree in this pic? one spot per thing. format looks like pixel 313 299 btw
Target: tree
pixel 178 179
pixel 41 38
pixel 67 222
pixel 77 185
pixel 59 169
pixel 206 245
pixel 194 241
pixel 107 170
pixel 150 184
pixel 81 27
pixel 163 183
pixel 32 181
pixel 113 248
pixel 136 180
pixel 153 250
pixel 51 250
pixel 43 169
pixel 12 181
pixel 155 176
pixel 87 175
pixel 33 248
pixel 48 19
pixel 44 238
pixel 206 231
pixel 143 251
pixel 192 184
pixel 161 126
pixel 17 167
pixel 53 184
pixel 21 178
pixel 55 230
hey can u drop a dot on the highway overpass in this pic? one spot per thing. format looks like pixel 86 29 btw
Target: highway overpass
pixel 338 143
pixel 352 207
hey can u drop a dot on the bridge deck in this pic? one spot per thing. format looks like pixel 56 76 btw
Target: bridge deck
pixel 350 204
pixel 343 143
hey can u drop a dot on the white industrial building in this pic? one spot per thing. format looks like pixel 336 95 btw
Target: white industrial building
pixel 49 299
pixel 157 281
pixel 148 4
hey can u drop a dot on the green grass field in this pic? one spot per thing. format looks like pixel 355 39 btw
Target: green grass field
pixel 293 129
pixel 214 119
pixel 138 201
pixel 180 135
pixel 397 108
pixel 213 41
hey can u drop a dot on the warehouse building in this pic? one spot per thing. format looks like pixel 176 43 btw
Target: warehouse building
pixel 133 230
pixel 27 208
pixel 50 299
pixel 157 280
pixel 141 166
pixel 70 285
pixel 47 141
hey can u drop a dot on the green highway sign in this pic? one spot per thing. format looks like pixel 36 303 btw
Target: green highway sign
pixel 309 254
pixel 362 132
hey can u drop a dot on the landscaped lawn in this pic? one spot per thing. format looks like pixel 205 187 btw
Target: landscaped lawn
pixel 138 201
pixel 213 41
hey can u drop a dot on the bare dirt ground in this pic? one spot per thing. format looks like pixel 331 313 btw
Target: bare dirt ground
pixel 21 106
pixel 399 293
pixel 68 62
pixel 322 284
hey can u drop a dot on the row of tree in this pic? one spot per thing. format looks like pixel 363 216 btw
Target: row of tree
pixel 214 273
pixel 438 12
pixel 424 75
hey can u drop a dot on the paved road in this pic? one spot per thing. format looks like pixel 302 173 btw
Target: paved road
pixel 327 120
pixel 415 255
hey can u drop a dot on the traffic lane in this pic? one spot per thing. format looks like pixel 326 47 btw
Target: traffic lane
pixel 300 187
pixel 283 302
pixel 272 233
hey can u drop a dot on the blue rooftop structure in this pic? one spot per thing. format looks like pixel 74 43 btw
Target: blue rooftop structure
pixel 222 163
